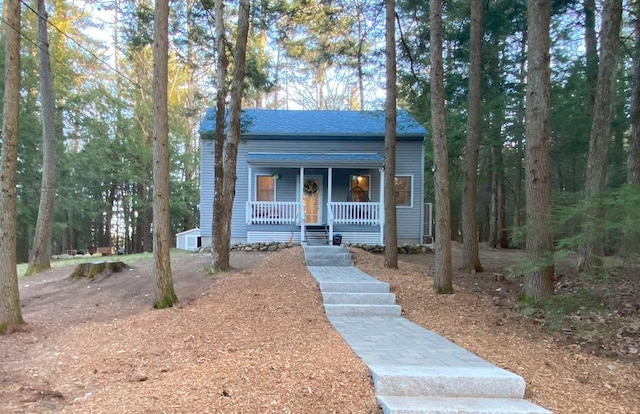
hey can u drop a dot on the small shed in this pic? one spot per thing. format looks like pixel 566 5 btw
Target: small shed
pixel 189 239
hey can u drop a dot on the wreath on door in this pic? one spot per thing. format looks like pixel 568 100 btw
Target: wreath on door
pixel 310 187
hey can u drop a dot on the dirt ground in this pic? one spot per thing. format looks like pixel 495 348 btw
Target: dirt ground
pixel 256 340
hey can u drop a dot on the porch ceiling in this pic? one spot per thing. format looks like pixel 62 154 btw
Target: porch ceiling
pixel 323 160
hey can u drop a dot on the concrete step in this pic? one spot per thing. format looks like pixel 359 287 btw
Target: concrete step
pixel 325 249
pixel 323 255
pixel 331 298
pixel 354 287
pixel 454 382
pixel 435 405
pixel 325 260
pixel 362 310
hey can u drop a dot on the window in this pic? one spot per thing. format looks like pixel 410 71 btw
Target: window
pixel 265 188
pixel 360 188
pixel 403 191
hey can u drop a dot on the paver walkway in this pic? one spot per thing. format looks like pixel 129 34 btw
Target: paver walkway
pixel 414 370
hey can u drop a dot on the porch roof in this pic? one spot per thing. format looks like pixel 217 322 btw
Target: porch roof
pixel 337 160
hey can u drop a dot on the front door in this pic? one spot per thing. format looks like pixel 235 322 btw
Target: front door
pixel 312 199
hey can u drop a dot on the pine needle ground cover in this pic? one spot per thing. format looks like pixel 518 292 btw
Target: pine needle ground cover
pixel 256 340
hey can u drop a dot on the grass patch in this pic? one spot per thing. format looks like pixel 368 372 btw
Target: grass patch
pixel 129 259
pixel 559 308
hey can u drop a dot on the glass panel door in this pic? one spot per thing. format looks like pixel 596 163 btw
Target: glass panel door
pixel 312 200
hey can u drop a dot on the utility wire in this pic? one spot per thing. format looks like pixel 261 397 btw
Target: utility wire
pixel 25 37
pixel 98 58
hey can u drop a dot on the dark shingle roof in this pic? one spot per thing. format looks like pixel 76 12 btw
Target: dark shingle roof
pixel 283 123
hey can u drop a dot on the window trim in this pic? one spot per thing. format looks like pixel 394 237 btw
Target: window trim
pixel 275 187
pixel 410 205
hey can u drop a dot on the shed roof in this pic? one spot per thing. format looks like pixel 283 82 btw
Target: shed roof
pixel 294 123
pixel 196 230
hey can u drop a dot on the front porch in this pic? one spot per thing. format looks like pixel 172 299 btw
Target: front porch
pixel 311 205
pixel 357 222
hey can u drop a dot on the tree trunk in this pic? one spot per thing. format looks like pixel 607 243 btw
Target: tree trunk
pixel 539 281
pixel 10 311
pixel 619 128
pixel 40 256
pixel 443 277
pixel 484 195
pixel 498 231
pixel 633 159
pixel 602 111
pixel 630 240
pixel 470 251
pixel 94 269
pixel 520 121
pixel 600 137
pixel 591 50
pixel 390 220
pixel 165 295
pixel 231 143
pixel 219 257
pixel 139 218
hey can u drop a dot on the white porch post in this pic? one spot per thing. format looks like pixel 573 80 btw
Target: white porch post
pixel 302 218
pixel 329 196
pixel 381 205
pixel 249 186
pixel 249 210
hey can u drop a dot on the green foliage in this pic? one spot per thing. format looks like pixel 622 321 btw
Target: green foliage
pixel 577 223
pixel 558 309
pixel 580 224
pixel 138 24
pixel 529 266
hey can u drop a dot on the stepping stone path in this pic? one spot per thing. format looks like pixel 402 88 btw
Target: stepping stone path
pixel 414 370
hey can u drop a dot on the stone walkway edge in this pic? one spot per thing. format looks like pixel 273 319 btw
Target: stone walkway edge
pixel 414 370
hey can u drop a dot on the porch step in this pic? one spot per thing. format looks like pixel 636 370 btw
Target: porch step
pixel 453 382
pixel 351 298
pixel 362 310
pixel 438 405
pixel 317 238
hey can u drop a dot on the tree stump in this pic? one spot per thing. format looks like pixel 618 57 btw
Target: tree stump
pixel 93 269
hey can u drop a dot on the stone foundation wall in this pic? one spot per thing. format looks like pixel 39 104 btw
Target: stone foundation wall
pixel 404 249
pixel 372 248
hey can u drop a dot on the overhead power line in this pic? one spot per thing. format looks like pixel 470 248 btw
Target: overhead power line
pixel 80 45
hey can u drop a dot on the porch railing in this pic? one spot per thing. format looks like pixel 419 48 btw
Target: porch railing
pixel 367 214
pixel 274 212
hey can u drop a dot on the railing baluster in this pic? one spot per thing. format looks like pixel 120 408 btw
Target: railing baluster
pixel 286 212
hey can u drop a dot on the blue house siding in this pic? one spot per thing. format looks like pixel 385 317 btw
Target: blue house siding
pixel 314 145
pixel 410 161
pixel 207 159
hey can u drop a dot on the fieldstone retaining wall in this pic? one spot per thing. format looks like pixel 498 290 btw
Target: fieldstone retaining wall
pixel 404 249
pixel 372 248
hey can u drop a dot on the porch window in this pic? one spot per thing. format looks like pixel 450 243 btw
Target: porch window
pixel 265 188
pixel 360 188
pixel 403 190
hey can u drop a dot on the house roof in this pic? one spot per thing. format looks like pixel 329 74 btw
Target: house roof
pixel 286 124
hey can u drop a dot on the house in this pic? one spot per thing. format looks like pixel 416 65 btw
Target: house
pixel 305 176
pixel 188 240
